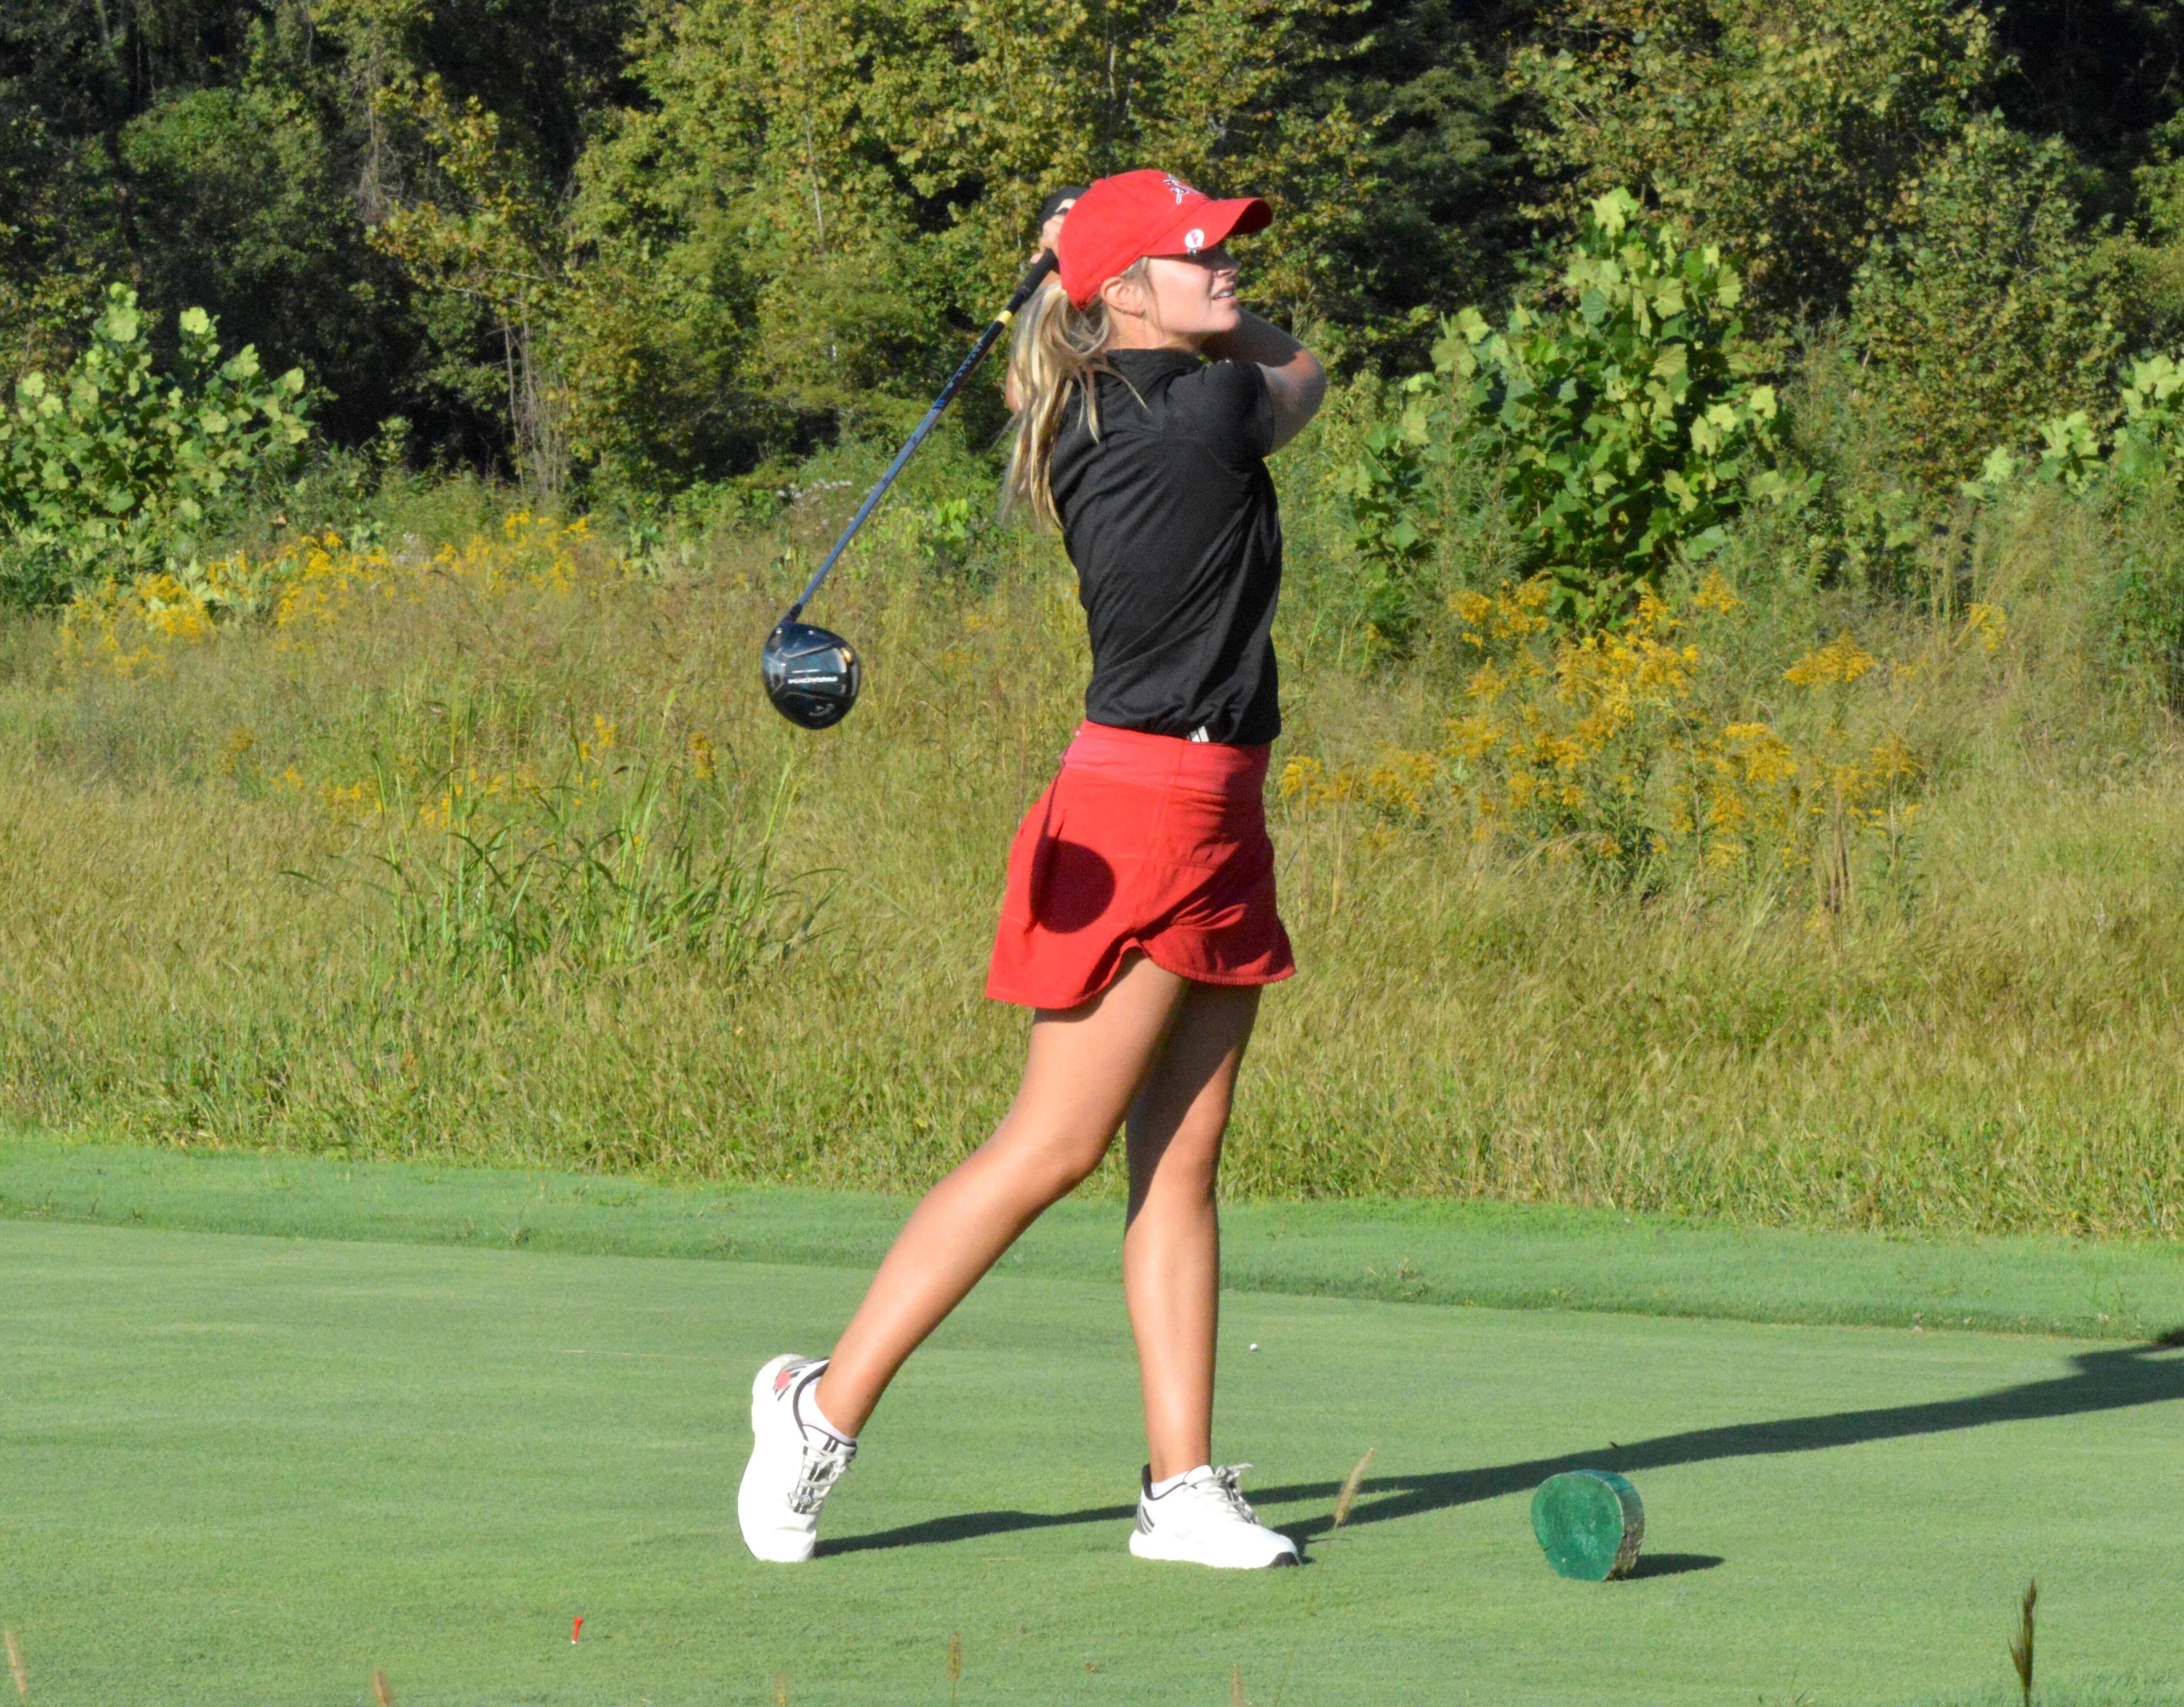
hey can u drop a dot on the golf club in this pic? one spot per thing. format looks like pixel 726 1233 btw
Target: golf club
pixel 811 674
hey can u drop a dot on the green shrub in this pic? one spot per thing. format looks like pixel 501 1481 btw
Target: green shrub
pixel 2145 617
pixel 113 470
pixel 1990 308
pixel 2136 483
pixel 1630 422
pixel 2156 258
pixel 2077 453
pixel 2150 443
pixel 1382 492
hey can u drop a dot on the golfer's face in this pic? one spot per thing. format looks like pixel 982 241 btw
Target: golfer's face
pixel 1194 296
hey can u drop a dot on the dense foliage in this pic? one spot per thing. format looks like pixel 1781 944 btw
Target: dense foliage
pixel 644 243
pixel 734 282
pixel 1786 133
pixel 1984 300
pixel 647 254
pixel 669 238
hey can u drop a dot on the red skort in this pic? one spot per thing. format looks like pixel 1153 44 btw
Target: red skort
pixel 1144 842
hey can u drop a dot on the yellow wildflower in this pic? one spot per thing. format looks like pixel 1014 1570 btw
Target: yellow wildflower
pixel 1487 683
pixel 235 756
pixel 1473 737
pixel 602 740
pixel 1989 624
pixel 1765 756
pixel 1716 594
pixel 1841 660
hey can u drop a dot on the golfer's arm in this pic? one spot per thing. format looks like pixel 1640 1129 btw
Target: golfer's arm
pixel 1296 382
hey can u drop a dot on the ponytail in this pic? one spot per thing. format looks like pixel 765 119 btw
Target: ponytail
pixel 1060 350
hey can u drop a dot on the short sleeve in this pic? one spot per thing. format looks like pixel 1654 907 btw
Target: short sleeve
pixel 1228 409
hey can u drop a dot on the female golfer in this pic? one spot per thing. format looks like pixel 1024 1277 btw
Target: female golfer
pixel 1139 918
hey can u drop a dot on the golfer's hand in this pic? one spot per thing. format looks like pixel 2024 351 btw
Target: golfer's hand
pixel 1050 234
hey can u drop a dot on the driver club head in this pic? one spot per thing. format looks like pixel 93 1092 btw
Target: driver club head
pixel 811 675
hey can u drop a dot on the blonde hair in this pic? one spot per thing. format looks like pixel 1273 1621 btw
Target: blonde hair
pixel 1060 350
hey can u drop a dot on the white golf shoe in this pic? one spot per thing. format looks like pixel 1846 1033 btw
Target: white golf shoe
pixel 1205 1520
pixel 792 1468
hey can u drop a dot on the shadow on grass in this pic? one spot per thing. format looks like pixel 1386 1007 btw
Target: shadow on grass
pixel 970 1526
pixel 2103 1381
pixel 1674 1563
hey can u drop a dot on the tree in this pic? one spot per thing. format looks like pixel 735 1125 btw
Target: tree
pixel 1783 133
pixel 831 192
pixel 1427 81
pixel 1988 307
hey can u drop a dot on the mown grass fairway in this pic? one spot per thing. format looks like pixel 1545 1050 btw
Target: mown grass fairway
pixel 251 1469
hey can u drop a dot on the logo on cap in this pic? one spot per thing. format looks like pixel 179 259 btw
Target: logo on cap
pixel 1193 240
pixel 1177 187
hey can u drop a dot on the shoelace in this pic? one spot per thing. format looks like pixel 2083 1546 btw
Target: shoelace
pixel 824 1461
pixel 1227 1478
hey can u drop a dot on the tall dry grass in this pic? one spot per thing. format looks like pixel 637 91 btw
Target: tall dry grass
pixel 238 912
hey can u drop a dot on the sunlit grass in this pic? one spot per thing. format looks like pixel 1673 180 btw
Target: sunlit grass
pixel 497 850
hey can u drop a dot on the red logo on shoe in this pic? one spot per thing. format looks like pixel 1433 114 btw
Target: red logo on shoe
pixel 786 1378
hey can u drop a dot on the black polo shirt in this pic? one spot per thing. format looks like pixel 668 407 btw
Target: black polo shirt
pixel 1171 520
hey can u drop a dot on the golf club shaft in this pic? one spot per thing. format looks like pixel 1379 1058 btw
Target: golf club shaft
pixel 1034 277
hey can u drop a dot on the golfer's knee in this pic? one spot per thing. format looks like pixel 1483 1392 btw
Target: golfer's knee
pixel 1048 1153
pixel 1055 1168
pixel 1187 1161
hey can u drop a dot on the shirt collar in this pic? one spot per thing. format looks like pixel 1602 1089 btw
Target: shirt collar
pixel 1151 364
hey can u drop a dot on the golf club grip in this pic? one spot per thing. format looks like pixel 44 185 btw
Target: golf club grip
pixel 1034 276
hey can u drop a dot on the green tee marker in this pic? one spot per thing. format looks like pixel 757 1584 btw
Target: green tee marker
pixel 1590 1524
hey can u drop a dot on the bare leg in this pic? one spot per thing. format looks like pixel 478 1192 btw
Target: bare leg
pixel 1084 1068
pixel 1171 1252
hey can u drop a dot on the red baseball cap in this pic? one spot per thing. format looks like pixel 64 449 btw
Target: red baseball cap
pixel 1121 220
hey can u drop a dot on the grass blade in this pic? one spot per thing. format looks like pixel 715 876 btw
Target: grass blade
pixel 1350 1483
pixel 2020 1640
pixel 15 1667
pixel 379 1691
